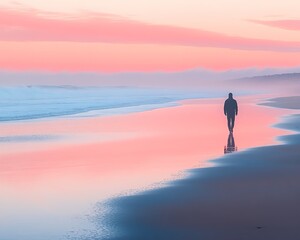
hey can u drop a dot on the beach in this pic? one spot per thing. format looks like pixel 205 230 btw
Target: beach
pixel 65 171
pixel 149 120
pixel 252 194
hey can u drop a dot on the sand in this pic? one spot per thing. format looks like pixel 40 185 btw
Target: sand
pixel 248 195
pixel 54 171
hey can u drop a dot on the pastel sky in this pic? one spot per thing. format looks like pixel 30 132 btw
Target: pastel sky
pixel 148 36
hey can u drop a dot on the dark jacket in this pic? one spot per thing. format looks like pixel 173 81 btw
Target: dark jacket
pixel 230 107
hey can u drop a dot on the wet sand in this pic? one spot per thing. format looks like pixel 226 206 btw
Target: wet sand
pixel 248 195
pixel 54 171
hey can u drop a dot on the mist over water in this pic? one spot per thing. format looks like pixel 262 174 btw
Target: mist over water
pixel 34 102
pixel 40 101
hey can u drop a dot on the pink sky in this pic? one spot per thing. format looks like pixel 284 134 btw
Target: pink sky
pixel 95 37
pixel 107 57
pixel 288 24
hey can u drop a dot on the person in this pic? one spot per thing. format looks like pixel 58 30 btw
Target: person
pixel 230 110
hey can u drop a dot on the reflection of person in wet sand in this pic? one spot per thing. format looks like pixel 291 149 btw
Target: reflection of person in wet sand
pixel 230 144
pixel 230 110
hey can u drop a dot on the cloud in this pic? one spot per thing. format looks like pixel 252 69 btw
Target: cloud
pixel 33 25
pixel 286 24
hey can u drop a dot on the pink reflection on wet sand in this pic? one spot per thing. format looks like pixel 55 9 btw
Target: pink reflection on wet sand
pixel 105 156
pixel 152 146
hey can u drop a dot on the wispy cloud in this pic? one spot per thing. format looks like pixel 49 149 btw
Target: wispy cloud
pixel 287 24
pixel 32 25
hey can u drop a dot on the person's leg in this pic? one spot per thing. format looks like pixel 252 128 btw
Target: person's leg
pixel 228 122
pixel 232 121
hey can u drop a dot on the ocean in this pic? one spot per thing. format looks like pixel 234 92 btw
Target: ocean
pixel 37 102
pixel 59 160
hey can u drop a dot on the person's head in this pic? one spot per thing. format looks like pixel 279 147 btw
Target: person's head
pixel 230 95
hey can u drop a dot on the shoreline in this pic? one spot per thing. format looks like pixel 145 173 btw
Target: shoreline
pixel 251 194
pixel 104 157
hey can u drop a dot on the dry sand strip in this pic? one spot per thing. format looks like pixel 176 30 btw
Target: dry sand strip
pixel 251 195
pixel 292 102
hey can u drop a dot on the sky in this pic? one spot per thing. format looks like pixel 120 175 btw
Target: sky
pixel 142 36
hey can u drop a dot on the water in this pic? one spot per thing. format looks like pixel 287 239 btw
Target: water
pixel 53 172
pixel 35 102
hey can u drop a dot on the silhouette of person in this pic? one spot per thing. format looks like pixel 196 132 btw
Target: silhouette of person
pixel 230 147
pixel 230 110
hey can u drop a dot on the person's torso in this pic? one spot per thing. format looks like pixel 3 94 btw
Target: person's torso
pixel 230 106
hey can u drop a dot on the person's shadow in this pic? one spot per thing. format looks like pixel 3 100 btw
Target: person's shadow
pixel 230 147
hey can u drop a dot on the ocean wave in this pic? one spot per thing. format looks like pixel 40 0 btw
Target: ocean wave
pixel 35 102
